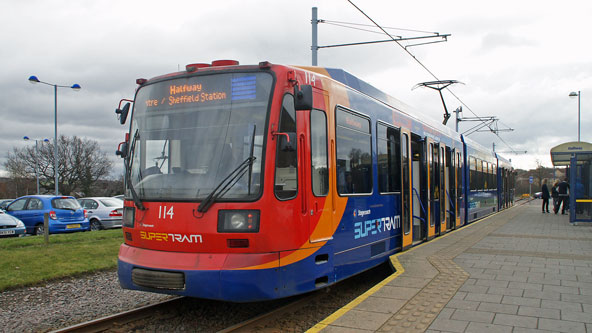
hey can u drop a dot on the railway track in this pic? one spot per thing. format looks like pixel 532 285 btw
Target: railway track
pixel 125 320
pixel 294 314
pixel 115 321
pixel 263 322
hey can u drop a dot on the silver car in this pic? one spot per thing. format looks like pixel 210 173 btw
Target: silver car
pixel 103 212
pixel 10 226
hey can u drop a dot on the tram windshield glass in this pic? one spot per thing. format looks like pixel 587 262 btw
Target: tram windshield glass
pixel 189 135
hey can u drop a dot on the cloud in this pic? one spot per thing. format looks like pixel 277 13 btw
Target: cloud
pixel 507 54
pixel 494 41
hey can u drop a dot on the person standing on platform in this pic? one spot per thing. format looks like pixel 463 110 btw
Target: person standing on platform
pixel 563 189
pixel 545 195
pixel 555 195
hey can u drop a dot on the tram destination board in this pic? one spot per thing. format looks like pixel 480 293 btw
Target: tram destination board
pixel 204 90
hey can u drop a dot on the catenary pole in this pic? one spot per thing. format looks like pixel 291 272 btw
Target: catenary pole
pixel 315 45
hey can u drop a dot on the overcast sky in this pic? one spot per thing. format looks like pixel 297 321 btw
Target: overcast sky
pixel 518 60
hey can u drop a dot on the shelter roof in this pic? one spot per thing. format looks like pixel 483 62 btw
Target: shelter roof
pixel 561 154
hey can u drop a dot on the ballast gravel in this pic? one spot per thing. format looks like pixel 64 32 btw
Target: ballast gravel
pixel 69 301
pixel 62 303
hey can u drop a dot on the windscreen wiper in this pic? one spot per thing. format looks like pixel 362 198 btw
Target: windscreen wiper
pixel 226 184
pixel 236 174
pixel 128 175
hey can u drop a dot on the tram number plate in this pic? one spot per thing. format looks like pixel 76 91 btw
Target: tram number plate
pixel 72 226
pixel 6 232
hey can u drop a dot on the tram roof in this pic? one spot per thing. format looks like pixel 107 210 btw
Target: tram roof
pixel 362 86
pixel 561 154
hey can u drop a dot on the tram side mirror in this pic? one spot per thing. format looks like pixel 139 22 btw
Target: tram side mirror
pixel 287 141
pixel 303 97
pixel 122 150
pixel 123 113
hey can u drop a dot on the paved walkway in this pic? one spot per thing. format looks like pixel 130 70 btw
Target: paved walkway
pixel 517 271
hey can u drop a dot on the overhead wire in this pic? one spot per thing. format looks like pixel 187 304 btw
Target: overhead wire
pixel 354 28
pixel 370 25
pixel 427 69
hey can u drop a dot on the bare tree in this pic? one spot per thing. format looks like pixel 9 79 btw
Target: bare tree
pixel 81 163
pixel 20 183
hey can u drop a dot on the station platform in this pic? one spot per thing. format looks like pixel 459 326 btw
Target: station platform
pixel 518 270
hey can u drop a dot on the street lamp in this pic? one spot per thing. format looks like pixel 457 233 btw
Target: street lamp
pixel 26 138
pixel 75 87
pixel 577 94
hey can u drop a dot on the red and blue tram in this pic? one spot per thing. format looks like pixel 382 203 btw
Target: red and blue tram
pixel 248 183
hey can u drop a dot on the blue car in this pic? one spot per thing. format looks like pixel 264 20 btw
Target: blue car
pixel 10 226
pixel 65 213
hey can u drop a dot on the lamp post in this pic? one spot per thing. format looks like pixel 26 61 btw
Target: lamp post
pixel 75 87
pixel 577 94
pixel 26 138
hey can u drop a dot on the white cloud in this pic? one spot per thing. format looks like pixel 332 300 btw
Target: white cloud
pixel 518 60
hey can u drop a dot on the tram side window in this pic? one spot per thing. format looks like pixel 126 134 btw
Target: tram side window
pixel 472 173
pixel 354 153
pixel 479 174
pixel 318 153
pixel 286 173
pixel 389 154
pixel 459 177
pixel 494 182
pixel 490 176
pixel 485 174
pixel 491 181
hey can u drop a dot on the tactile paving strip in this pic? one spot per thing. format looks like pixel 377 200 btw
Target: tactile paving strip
pixel 421 310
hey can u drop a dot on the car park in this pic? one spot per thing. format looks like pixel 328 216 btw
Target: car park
pixel 103 212
pixel 10 226
pixel 64 212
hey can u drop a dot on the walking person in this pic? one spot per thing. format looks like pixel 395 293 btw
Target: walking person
pixel 555 196
pixel 563 189
pixel 545 195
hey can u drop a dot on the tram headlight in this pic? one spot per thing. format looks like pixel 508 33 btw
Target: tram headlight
pixel 129 214
pixel 238 221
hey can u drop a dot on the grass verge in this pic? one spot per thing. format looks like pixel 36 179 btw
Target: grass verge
pixel 28 261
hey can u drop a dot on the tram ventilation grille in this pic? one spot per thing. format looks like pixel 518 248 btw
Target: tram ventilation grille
pixel 158 279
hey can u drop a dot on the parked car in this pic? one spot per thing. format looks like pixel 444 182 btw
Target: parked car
pixel 103 212
pixel 538 195
pixel 65 213
pixel 4 203
pixel 120 197
pixel 10 226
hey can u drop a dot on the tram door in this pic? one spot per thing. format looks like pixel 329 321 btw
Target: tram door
pixel 459 194
pixel 451 188
pixel 313 177
pixel 406 188
pixel 443 187
pixel 432 185
pixel 506 185
pixel 419 191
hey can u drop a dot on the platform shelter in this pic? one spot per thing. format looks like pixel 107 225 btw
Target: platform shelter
pixel 577 158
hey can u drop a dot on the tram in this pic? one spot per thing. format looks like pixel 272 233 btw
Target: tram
pixel 256 182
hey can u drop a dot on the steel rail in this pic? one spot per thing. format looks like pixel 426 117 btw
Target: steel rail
pixel 118 319
pixel 255 324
